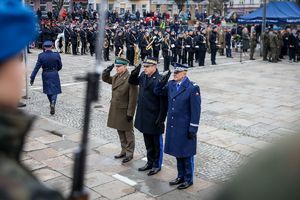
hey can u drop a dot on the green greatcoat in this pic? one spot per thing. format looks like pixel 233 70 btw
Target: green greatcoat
pixel 16 180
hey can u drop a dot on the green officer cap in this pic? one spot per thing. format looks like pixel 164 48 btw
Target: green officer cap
pixel 121 61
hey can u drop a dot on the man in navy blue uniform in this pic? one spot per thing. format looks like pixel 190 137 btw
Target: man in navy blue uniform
pixel 51 64
pixel 151 113
pixel 184 108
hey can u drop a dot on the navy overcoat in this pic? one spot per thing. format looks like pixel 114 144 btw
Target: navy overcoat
pixel 50 62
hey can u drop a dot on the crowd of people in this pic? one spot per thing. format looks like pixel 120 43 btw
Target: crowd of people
pixel 176 39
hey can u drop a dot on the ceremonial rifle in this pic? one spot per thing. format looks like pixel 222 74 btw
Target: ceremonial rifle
pixel 78 191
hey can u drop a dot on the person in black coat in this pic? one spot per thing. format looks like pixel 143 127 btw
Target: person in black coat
pixel 292 42
pixel 166 52
pixel 119 43
pixel 91 38
pixel 228 42
pixel 130 42
pixel 173 46
pixel 180 48
pixel 151 113
pixel 74 40
pixel 213 45
pixel 83 40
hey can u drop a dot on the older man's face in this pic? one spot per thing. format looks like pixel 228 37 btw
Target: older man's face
pixel 179 75
pixel 149 69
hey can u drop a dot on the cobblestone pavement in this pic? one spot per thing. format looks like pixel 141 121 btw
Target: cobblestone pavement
pixel 245 107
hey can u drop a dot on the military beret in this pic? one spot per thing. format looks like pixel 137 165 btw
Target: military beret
pixel 121 61
pixel 179 67
pixel 18 28
pixel 150 61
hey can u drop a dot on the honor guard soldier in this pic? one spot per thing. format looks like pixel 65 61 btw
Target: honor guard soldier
pixel 166 51
pixel 50 62
pixel 106 47
pixel 119 43
pixel 213 45
pixel 189 48
pixel 130 42
pixel 67 33
pixel 156 44
pixel 122 107
pixel 151 113
pixel 18 25
pixel 184 108
pixel 83 40
pixel 173 46
pixel 180 47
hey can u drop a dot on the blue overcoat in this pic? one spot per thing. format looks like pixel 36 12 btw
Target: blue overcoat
pixel 51 64
pixel 151 107
pixel 184 108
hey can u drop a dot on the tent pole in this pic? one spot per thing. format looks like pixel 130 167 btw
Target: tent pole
pixel 263 27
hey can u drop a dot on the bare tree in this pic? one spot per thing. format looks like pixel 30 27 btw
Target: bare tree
pixel 59 4
pixel 180 4
pixel 217 6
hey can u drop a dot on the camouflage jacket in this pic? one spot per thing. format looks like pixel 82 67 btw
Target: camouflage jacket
pixel 16 181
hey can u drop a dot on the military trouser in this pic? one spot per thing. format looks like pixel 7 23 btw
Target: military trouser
pixel 83 47
pixel 197 53
pixel 265 52
pixel 202 54
pixel 184 57
pixel 92 49
pixel 185 168
pixel 154 149
pixel 292 54
pixel 106 54
pixel 52 98
pixel 156 54
pixel 272 55
pixel 221 51
pixel 127 142
pixel 213 56
pixel 252 52
pixel 74 48
pixel 190 58
pixel 167 60
pixel 130 55
pixel 67 43
pixel 174 56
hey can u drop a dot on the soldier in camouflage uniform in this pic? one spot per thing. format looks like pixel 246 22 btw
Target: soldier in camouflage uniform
pixel 273 46
pixel 253 44
pixel 266 44
pixel 280 45
pixel 16 181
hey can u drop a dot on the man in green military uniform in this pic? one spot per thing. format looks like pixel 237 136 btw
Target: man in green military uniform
pixel 266 44
pixel 280 45
pixel 122 107
pixel 273 46
pixel 16 181
pixel 253 44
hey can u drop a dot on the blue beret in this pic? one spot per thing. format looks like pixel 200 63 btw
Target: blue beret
pixel 18 28
pixel 180 67
pixel 47 43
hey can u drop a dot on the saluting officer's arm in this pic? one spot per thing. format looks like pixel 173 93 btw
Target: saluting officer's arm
pixel 37 67
pixel 195 105
pixel 160 89
pixel 106 77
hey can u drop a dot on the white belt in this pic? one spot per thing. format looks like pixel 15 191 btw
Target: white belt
pixel 187 46
pixel 172 45
pixel 196 46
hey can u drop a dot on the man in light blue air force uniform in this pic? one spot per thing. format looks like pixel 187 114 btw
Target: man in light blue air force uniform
pixel 184 108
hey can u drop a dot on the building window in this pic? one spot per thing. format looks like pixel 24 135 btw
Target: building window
pixel 170 7
pixel 251 2
pixel 158 8
pixel 111 6
pixel 133 8
pixel 144 7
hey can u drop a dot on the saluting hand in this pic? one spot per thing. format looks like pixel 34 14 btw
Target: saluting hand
pixel 109 68
pixel 136 70
pixel 165 78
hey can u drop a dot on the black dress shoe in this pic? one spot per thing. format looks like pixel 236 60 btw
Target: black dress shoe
pixel 184 185
pixel 176 181
pixel 121 155
pixel 52 109
pixel 127 159
pixel 145 168
pixel 153 171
